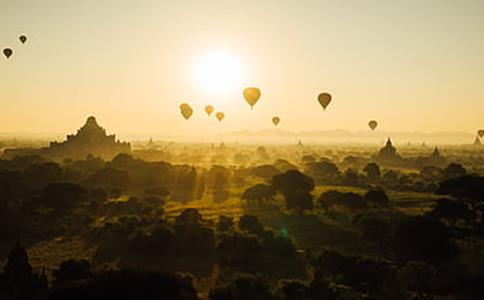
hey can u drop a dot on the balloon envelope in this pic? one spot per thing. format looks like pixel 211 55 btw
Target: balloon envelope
pixel 251 95
pixel 220 116
pixel 184 105
pixel 186 112
pixel 22 39
pixel 209 109
pixel 324 99
pixel 7 52
pixel 276 120
pixel 480 132
pixel 373 124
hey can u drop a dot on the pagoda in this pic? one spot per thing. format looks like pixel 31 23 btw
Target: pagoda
pixel 90 139
pixel 388 154
pixel 18 281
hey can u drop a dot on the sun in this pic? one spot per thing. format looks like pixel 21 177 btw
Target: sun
pixel 219 72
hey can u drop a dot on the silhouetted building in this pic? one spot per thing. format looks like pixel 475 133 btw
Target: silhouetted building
pixel 435 159
pixel 150 145
pixel 18 281
pixel 89 139
pixel 387 153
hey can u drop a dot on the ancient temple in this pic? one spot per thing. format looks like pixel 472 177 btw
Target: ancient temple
pixel 388 152
pixel 388 155
pixel 18 281
pixel 90 139
pixel 434 159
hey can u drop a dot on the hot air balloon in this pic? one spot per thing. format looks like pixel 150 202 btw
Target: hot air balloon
pixel 184 105
pixel 7 52
pixel 324 99
pixel 373 124
pixel 209 109
pixel 480 132
pixel 220 116
pixel 22 39
pixel 276 120
pixel 186 112
pixel 251 95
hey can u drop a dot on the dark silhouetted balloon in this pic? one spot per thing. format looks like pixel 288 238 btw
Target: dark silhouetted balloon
pixel 7 52
pixel 251 95
pixel 220 116
pixel 324 99
pixel 209 109
pixel 480 132
pixel 184 105
pixel 372 124
pixel 22 39
pixel 186 112
pixel 276 120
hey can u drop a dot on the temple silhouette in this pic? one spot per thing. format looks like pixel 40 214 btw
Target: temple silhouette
pixel 90 139
pixel 18 280
pixel 388 154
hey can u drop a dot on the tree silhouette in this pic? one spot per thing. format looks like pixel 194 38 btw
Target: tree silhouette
pixel 372 171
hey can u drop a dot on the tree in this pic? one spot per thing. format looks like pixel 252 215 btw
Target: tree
pixel 262 154
pixel 294 290
pixel 324 171
pixel 259 194
pixel 296 188
pixel 292 180
pixel 374 229
pixel 130 285
pixel 265 171
pixel 299 201
pixel 422 238
pixel 71 270
pixel 431 173
pixel 243 286
pixel 284 165
pixel 350 177
pixel 225 223
pixel 63 195
pixel 190 217
pixel 308 159
pixel 377 197
pixel 333 198
pixel 453 170
pixel 111 177
pixel 372 171
pixel 390 178
pixel 418 276
pixel 251 224
pixel 452 210
pixel 467 187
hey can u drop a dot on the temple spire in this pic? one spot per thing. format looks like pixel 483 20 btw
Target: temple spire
pixel 18 261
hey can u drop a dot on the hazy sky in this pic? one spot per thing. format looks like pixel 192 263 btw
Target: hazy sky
pixel 412 65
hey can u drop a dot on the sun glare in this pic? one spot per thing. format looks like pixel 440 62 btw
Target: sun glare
pixel 219 72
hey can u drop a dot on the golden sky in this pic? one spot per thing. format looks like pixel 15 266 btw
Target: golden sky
pixel 413 65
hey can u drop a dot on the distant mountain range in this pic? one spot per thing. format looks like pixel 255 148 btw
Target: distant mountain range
pixel 345 137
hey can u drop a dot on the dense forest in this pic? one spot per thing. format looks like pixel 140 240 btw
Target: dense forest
pixel 242 222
